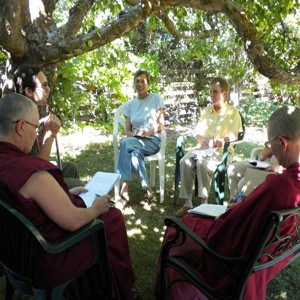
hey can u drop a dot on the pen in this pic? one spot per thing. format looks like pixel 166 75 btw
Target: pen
pixel 237 197
pixel 110 200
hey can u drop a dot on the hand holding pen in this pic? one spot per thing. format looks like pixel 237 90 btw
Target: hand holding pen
pixel 109 199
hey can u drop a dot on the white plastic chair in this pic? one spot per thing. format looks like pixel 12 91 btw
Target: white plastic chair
pixel 255 152
pixel 159 156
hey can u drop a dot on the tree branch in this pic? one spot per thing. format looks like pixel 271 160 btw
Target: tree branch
pixel 253 46
pixel 76 15
pixel 98 37
pixel 186 34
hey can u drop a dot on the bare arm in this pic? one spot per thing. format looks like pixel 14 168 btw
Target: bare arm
pixel 51 127
pixel 53 200
pixel 128 127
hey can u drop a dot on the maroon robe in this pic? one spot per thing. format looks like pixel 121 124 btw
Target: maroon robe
pixel 233 233
pixel 16 169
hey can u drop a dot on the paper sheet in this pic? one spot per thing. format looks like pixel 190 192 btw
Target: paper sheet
pixel 200 153
pixel 213 210
pixel 100 184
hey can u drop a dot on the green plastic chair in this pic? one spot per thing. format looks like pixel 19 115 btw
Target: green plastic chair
pixel 21 242
pixel 273 244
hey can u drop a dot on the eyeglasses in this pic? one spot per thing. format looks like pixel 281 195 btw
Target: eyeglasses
pixel 31 124
pixel 268 143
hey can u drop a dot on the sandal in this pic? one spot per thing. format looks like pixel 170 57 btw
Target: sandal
pixel 121 202
pixel 147 198
pixel 182 211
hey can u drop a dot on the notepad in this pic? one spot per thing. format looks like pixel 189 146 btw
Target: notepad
pixel 100 184
pixel 200 153
pixel 212 210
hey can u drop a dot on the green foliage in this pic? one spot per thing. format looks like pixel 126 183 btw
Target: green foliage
pixel 277 23
pixel 2 58
pixel 256 111
pixel 88 88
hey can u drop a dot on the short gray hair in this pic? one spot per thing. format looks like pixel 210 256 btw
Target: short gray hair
pixel 285 121
pixel 13 107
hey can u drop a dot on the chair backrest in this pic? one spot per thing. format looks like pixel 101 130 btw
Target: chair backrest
pixel 241 135
pixel 119 120
pixel 19 247
pixel 278 240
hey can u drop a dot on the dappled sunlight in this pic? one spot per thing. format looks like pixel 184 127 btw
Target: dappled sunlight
pixel 291 109
pixel 162 210
pixel 135 231
pixel 145 225
pixel 36 8
pixel 127 211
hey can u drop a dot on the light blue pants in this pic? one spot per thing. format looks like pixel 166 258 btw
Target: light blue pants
pixel 131 159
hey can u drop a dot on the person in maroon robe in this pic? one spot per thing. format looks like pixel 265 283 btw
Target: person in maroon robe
pixel 233 233
pixel 44 198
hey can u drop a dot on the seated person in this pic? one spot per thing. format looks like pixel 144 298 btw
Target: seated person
pixel 236 172
pixel 233 233
pixel 46 201
pixel 218 123
pixel 144 122
pixel 30 81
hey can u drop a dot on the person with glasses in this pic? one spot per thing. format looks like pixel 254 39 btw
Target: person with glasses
pixel 234 232
pixel 236 171
pixel 30 81
pixel 55 210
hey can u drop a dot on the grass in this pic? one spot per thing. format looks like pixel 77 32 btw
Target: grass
pixel 146 228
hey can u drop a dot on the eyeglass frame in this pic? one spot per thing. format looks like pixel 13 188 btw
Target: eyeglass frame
pixel 268 143
pixel 31 124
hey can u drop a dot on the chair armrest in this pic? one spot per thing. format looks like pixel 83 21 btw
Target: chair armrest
pixel 255 152
pixel 61 244
pixel 73 238
pixel 185 230
pixel 182 138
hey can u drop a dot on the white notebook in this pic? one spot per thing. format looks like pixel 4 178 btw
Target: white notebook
pixel 212 210
pixel 100 184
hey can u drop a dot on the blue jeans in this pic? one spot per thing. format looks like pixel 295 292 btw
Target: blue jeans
pixel 131 159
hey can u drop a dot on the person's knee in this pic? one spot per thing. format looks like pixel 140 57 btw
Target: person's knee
pixel 70 170
pixel 185 163
pixel 136 153
pixel 231 170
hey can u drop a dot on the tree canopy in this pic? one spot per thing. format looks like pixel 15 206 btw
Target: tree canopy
pixel 96 41
pixel 40 31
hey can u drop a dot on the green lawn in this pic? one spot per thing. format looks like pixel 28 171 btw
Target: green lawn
pixel 146 226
